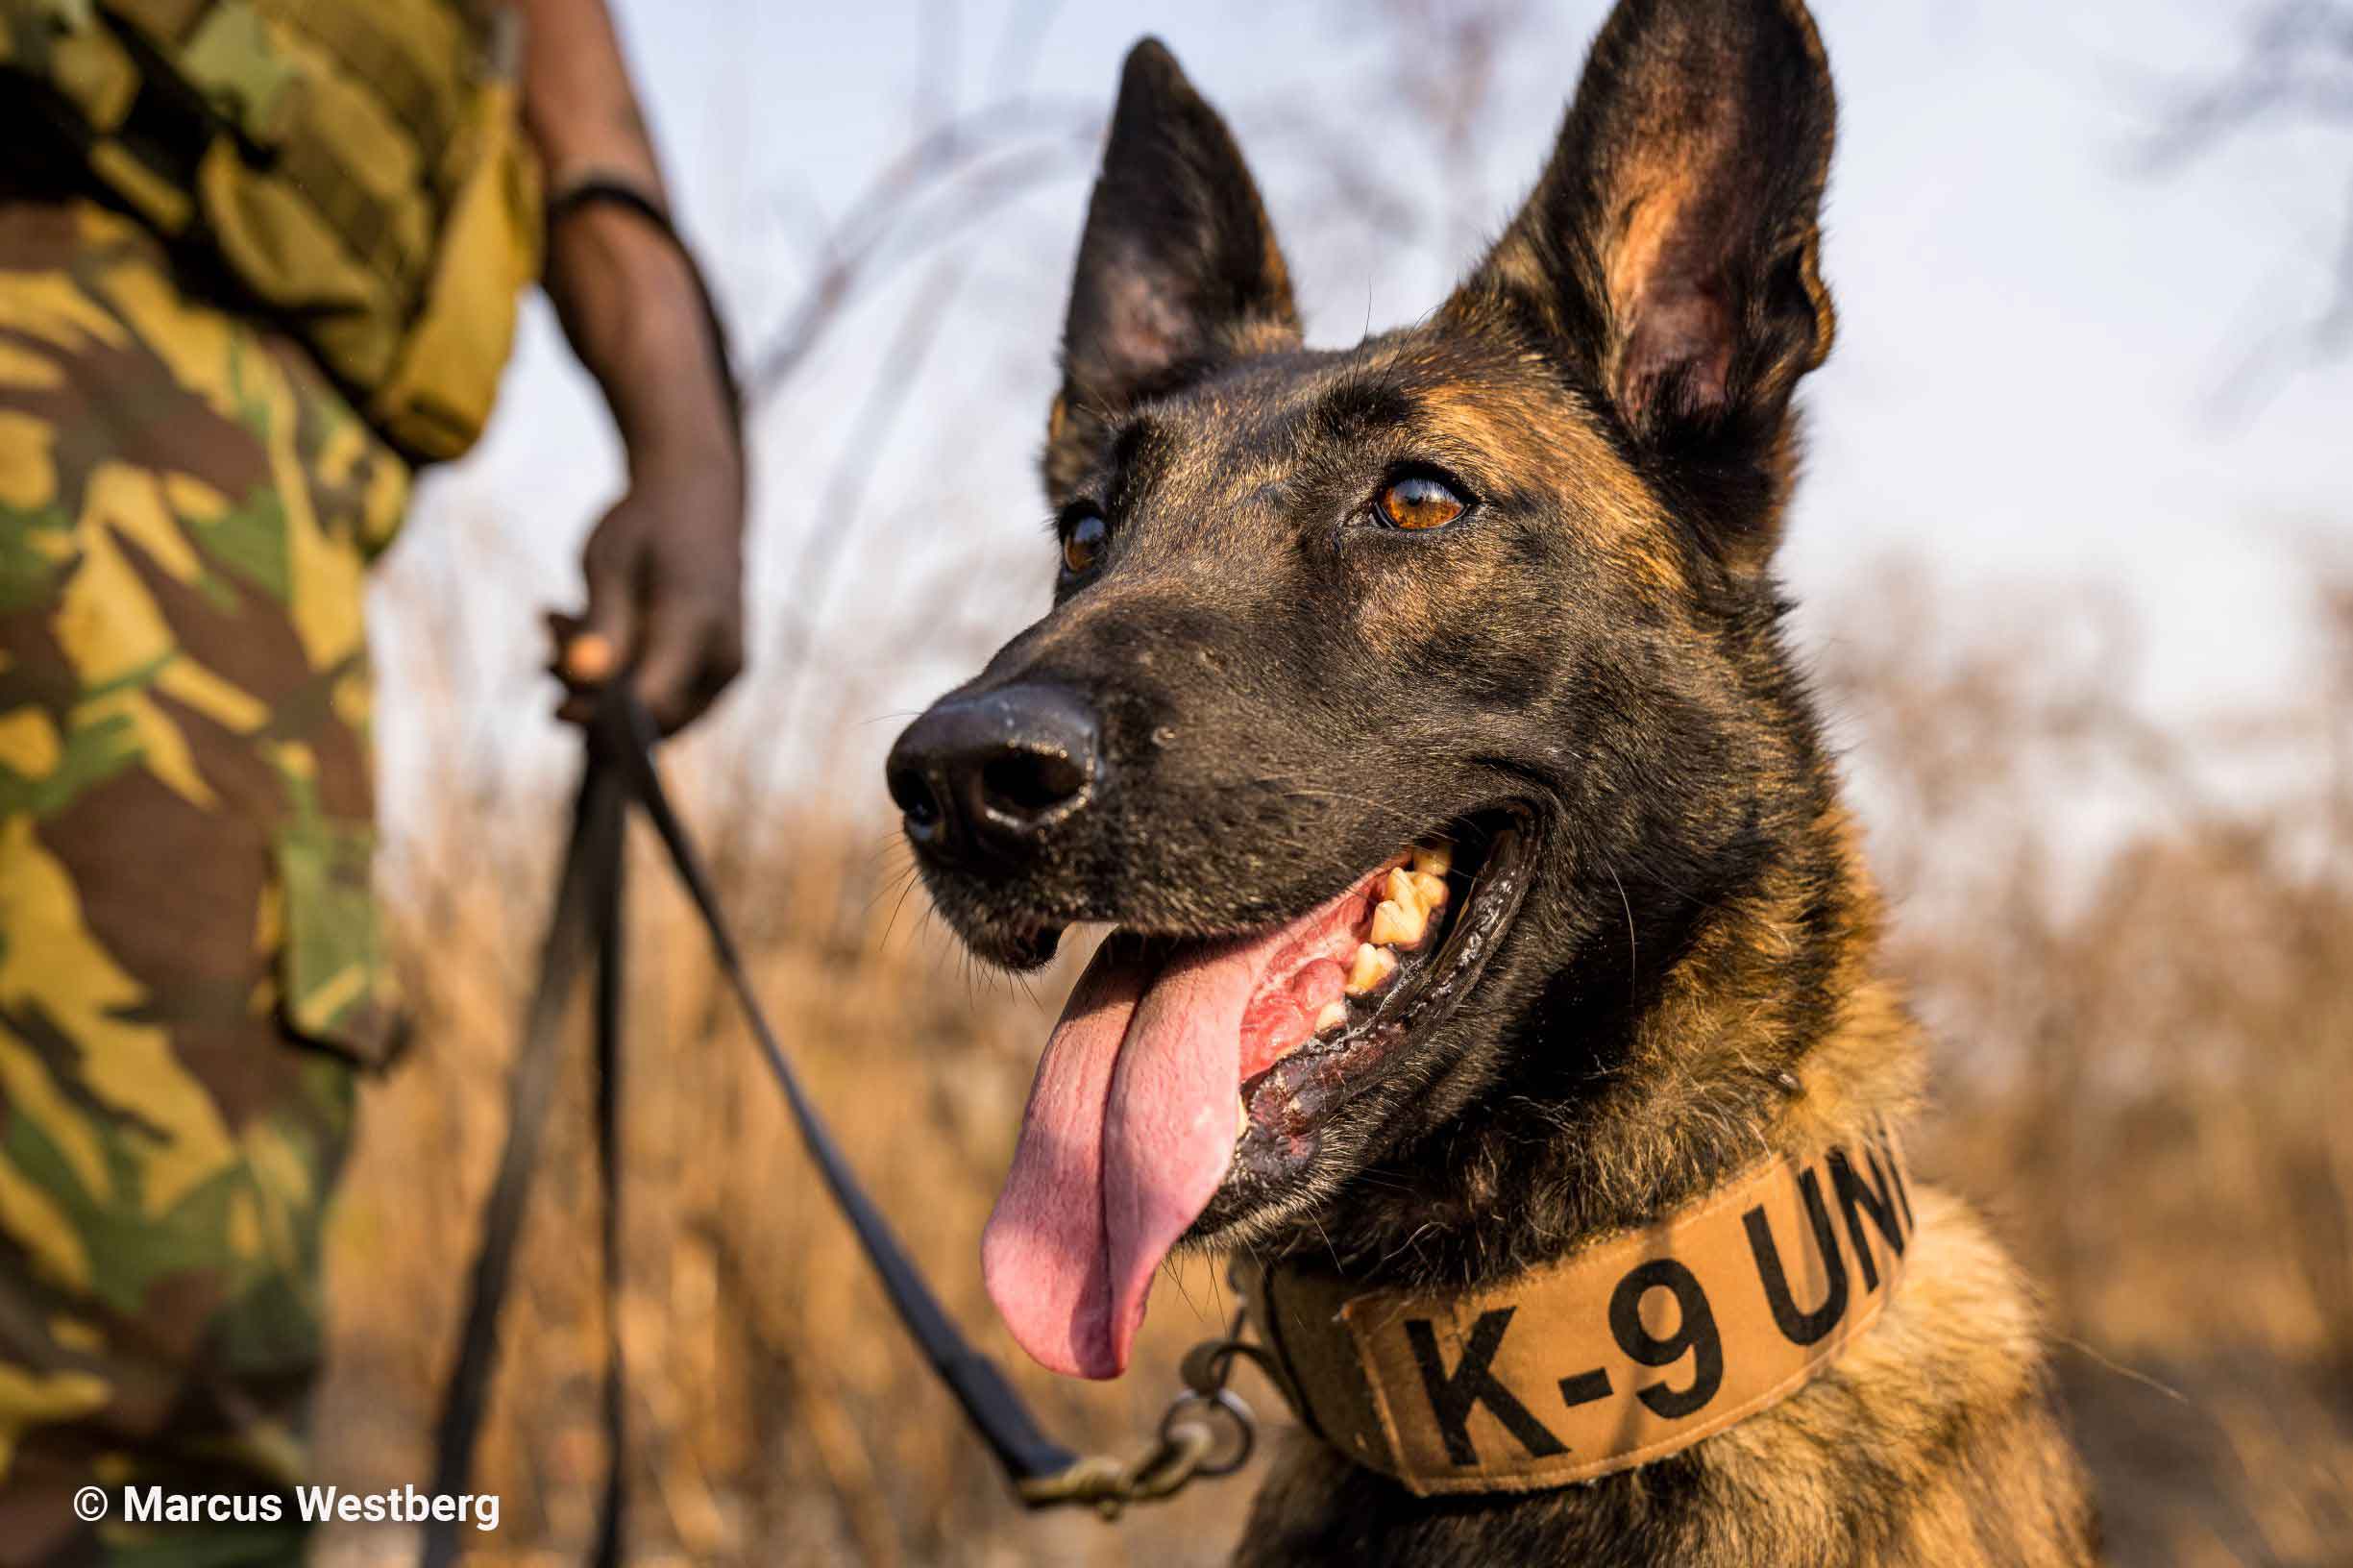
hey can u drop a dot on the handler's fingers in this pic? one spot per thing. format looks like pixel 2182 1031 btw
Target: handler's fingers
pixel 580 658
pixel 665 678
pixel 687 646
pixel 605 641
pixel 575 655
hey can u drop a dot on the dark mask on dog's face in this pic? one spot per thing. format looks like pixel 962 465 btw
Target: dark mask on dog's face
pixel 1351 713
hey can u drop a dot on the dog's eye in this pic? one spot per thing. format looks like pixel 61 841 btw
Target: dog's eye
pixel 1420 502
pixel 1081 545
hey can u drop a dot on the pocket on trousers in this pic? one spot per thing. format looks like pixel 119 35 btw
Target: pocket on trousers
pixel 335 982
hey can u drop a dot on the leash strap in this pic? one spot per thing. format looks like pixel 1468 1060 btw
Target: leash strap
pixel 590 881
pixel 988 1401
pixel 611 989
pixel 1207 1430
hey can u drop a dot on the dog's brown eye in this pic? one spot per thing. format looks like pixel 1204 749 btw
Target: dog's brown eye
pixel 1083 546
pixel 1420 502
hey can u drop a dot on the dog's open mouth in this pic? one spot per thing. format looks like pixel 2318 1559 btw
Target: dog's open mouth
pixel 1181 1068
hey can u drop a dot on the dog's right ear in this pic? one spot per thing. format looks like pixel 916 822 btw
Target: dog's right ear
pixel 1179 269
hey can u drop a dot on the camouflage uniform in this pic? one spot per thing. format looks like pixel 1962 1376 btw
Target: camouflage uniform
pixel 190 964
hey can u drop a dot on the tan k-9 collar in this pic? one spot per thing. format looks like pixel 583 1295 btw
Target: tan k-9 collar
pixel 1622 1352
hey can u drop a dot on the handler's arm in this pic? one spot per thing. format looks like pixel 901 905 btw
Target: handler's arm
pixel 665 566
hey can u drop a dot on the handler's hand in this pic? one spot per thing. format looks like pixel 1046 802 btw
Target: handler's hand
pixel 665 572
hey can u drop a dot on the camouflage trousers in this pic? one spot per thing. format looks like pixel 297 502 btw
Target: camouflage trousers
pixel 189 969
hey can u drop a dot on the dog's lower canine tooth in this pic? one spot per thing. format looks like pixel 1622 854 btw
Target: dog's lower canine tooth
pixel 1334 1015
pixel 1373 968
pixel 1241 1117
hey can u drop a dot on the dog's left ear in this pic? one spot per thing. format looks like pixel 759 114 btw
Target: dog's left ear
pixel 1178 270
pixel 1669 250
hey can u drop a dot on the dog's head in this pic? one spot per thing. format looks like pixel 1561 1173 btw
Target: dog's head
pixel 1381 682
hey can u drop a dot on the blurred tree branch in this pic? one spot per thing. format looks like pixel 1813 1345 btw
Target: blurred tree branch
pixel 2296 67
pixel 957 172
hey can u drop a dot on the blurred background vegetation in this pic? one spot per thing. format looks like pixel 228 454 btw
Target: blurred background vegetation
pixel 2117 832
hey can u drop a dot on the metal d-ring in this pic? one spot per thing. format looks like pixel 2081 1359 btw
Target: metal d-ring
pixel 1208 1364
pixel 1229 1404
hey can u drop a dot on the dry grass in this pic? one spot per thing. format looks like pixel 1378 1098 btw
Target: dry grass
pixel 2148 1052
pixel 2147 998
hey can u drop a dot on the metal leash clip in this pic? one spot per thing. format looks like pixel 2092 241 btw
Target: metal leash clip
pixel 1207 1431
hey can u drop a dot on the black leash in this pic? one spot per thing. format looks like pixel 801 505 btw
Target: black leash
pixel 586 925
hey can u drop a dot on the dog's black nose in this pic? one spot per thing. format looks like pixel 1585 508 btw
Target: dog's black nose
pixel 984 777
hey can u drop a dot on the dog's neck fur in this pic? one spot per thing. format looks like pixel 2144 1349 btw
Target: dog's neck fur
pixel 1769 1030
pixel 1759 1023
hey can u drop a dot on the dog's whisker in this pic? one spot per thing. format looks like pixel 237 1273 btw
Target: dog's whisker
pixel 1633 971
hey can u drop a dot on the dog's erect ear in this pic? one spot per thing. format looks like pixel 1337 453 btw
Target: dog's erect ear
pixel 1178 269
pixel 1670 247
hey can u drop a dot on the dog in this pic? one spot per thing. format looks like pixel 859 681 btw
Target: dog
pixel 1420 716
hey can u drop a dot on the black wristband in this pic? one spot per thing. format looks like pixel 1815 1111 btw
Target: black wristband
pixel 593 188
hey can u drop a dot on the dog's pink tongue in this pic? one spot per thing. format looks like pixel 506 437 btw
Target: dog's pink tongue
pixel 1044 1256
pixel 1129 1132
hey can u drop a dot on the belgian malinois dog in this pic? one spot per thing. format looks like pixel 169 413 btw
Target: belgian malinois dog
pixel 1420 716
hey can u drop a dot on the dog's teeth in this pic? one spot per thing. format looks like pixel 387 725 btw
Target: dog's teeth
pixel 1434 859
pixel 1401 892
pixel 1241 1117
pixel 1432 890
pixel 1398 923
pixel 1334 1015
pixel 1403 916
pixel 1373 968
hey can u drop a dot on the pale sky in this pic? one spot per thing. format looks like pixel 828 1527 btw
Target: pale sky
pixel 2035 393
